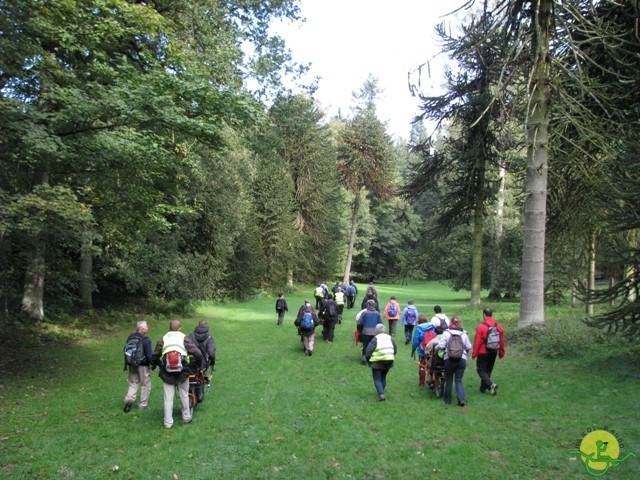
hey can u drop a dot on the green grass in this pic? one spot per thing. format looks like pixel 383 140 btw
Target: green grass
pixel 274 413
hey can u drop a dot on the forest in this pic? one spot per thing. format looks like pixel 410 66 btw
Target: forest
pixel 152 150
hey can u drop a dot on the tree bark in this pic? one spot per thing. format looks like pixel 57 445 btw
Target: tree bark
pixel 494 289
pixel 537 125
pixel 476 262
pixel 86 275
pixel 352 237
pixel 592 274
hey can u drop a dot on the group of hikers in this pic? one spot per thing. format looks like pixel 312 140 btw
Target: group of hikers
pixel 438 339
pixel 178 356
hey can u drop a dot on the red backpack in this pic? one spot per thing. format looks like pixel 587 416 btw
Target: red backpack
pixel 426 338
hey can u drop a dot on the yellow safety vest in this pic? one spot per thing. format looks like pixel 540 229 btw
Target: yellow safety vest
pixel 173 342
pixel 339 298
pixel 384 348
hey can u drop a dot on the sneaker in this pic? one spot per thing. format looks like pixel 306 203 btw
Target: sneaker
pixel 406 342
pixel 461 404
pixel 127 406
pixel 310 352
pixel 494 389
pixel 186 422
pixel 381 398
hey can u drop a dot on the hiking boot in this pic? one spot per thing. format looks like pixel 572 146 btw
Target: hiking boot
pixel 494 389
pixel 461 404
pixel 127 406
pixel 381 398
pixel 310 352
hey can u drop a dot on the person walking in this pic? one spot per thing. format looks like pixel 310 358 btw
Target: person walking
pixel 306 322
pixel 176 341
pixel 439 320
pixel 366 322
pixel 392 314
pixel 380 354
pixel 409 318
pixel 351 292
pixel 456 344
pixel 423 328
pixel 330 314
pixel 207 346
pixel 487 345
pixel 138 365
pixel 281 307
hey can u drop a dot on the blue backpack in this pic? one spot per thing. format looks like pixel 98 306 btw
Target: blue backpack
pixel 393 311
pixel 306 323
pixel 351 291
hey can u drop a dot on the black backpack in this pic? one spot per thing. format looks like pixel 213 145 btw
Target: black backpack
pixel 442 327
pixel 280 306
pixel 133 351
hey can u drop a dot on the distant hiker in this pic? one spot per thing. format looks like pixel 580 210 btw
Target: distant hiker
pixel 392 314
pixel 455 344
pixel 366 322
pixel 424 332
pixel 351 292
pixel 207 346
pixel 340 299
pixel 138 358
pixel 175 345
pixel 439 320
pixel 320 293
pixel 281 307
pixel 371 291
pixel 487 345
pixel 306 322
pixel 330 314
pixel 370 296
pixel 409 318
pixel 380 354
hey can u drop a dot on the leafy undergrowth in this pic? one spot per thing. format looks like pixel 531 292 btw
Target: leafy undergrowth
pixel 274 413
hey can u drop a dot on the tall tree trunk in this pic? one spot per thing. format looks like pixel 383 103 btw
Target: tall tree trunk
pixel 476 262
pixel 535 206
pixel 86 274
pixel 592 273
pixel 494 289
pixel 352 237
pixel 33 288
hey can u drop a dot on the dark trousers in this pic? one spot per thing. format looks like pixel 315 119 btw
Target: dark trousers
pixel 408 332
pixel 454 368
pixel 328 328
pixel 365 339
pixel 380 379
pixel 484 366
pixel 392 327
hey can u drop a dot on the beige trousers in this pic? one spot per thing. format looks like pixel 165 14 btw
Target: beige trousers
pixel 183 394
pixel 139 378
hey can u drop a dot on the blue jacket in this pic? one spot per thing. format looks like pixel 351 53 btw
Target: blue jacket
pixel 368 321
pixel 419 332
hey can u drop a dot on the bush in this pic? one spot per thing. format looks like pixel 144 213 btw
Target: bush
pixel 565 338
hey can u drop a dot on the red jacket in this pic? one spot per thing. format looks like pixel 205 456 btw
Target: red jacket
pixel 482 331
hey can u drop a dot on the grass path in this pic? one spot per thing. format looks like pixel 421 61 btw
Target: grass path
pixel 274 413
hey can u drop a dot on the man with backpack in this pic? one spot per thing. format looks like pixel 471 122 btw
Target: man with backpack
pixel 455 344
pixel 138 356
pixel 306 322
pixel 392 314
pixel 409 318
pixel 351 292
pixel 207 346
pixel 380 354
pixel 281 307
pixel 487 345
pixel 330 314
pixel 439 320
pixel 176 354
